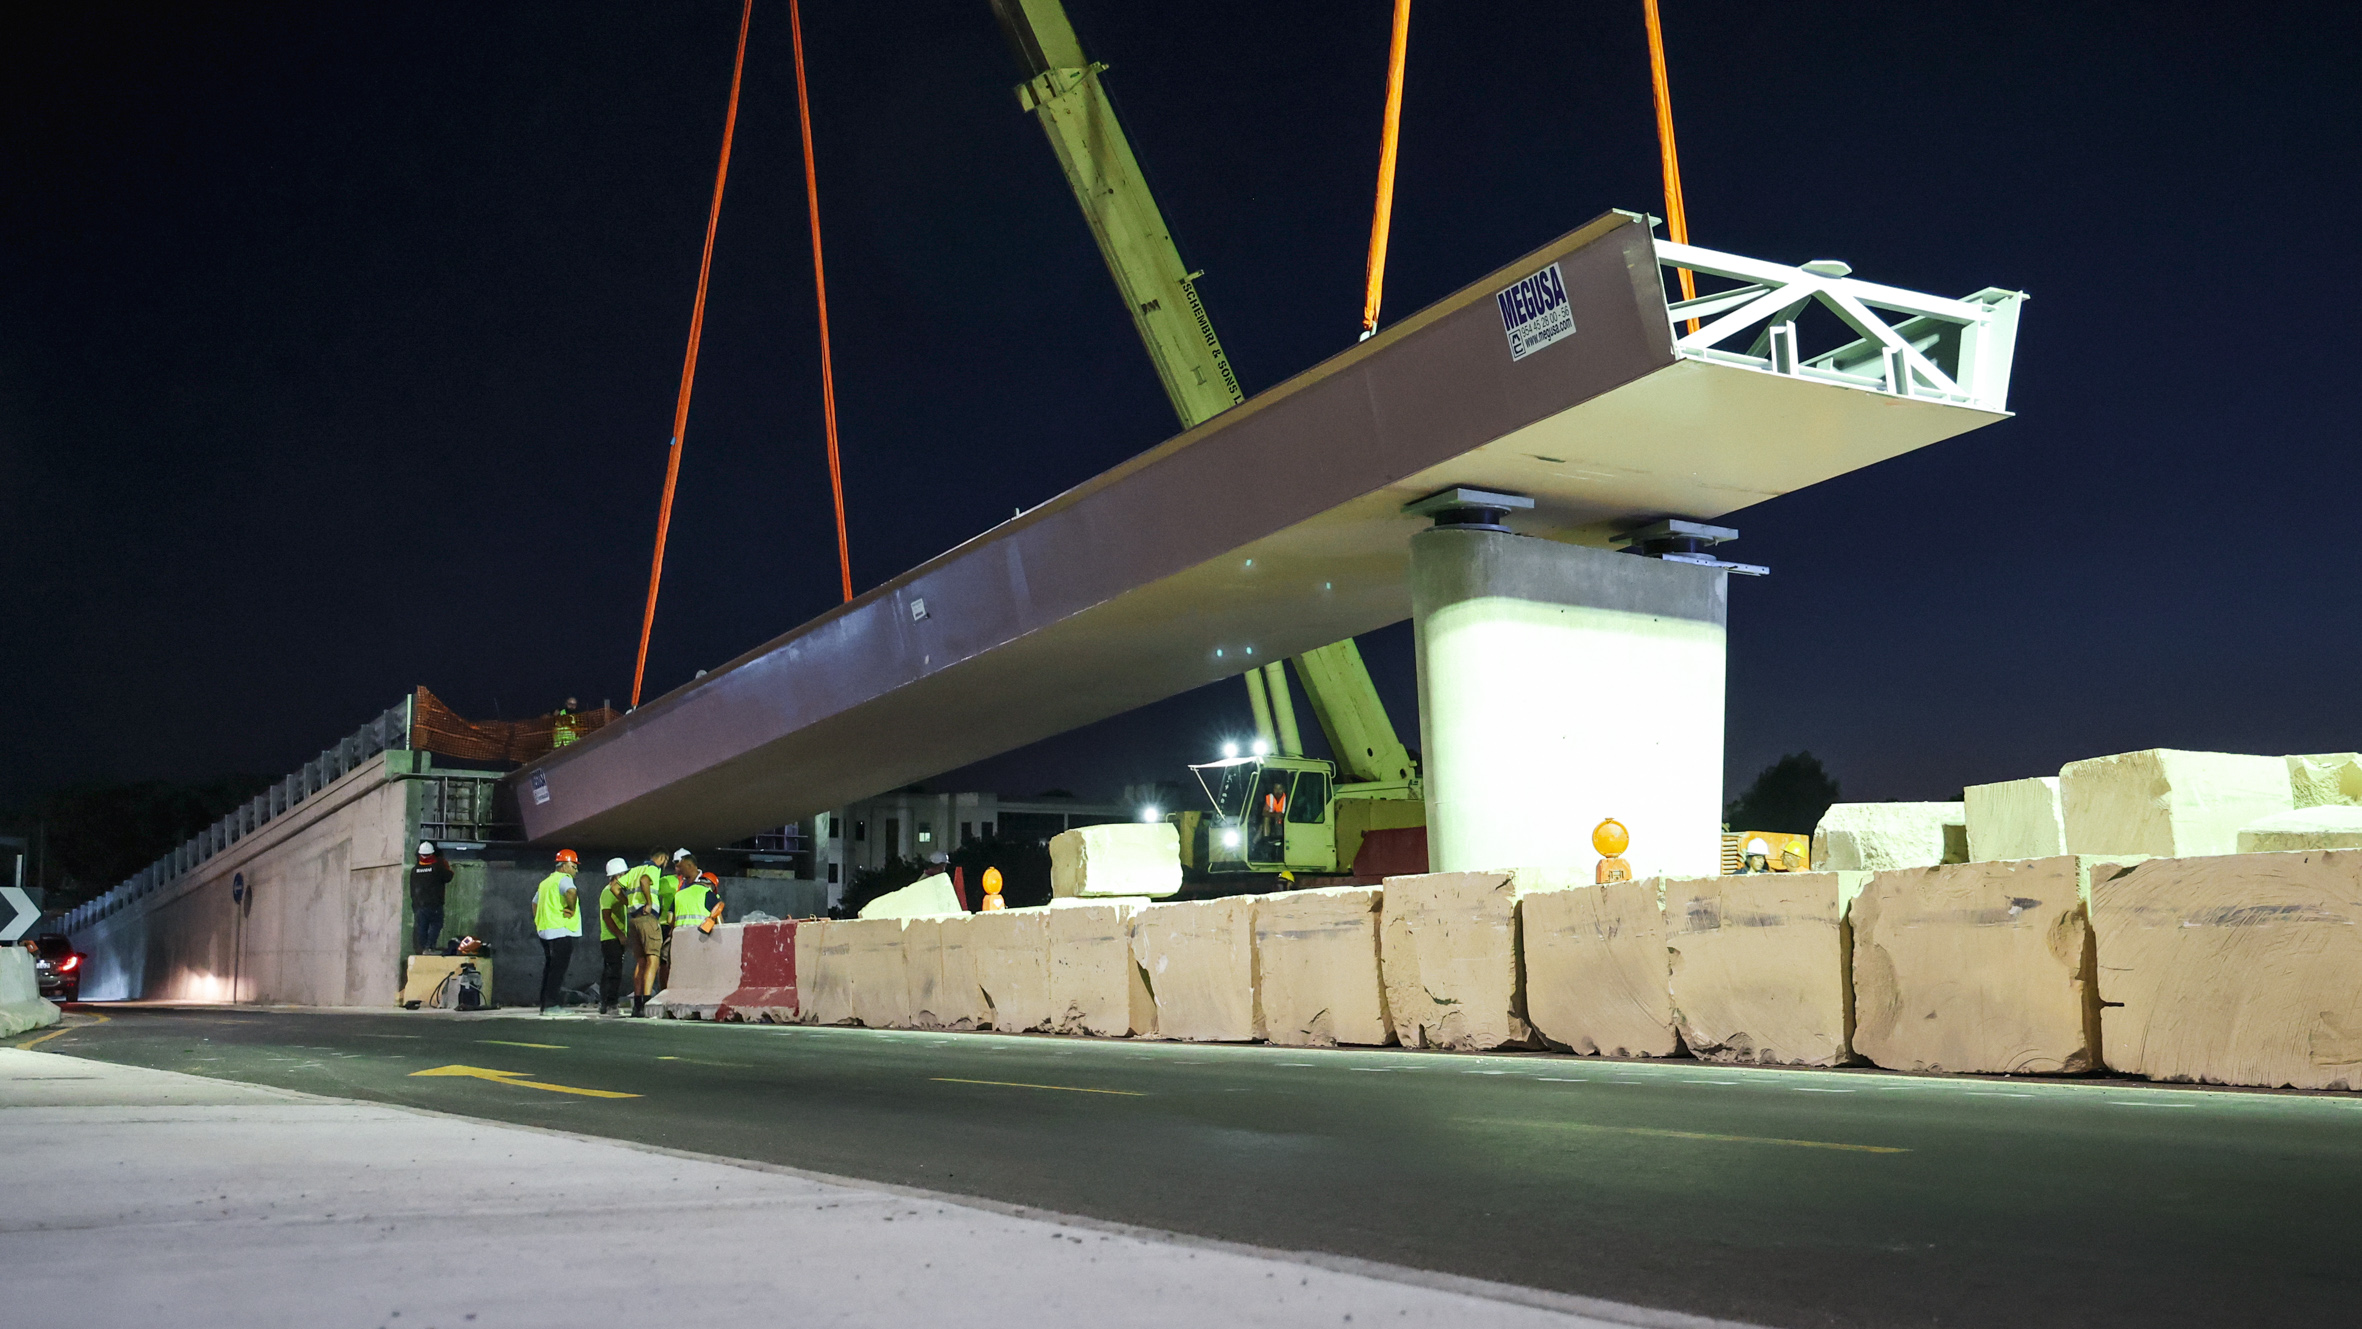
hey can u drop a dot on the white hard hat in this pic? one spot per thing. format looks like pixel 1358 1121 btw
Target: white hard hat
pixel 1757 846
pixel 616 867
pixel 679 854
pixel 426 848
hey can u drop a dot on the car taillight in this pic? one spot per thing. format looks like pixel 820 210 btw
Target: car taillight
pixel 70 964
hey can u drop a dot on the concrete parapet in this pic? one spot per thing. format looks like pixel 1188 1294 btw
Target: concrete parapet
pixel 1978 967
pixel 1095 988
pixel 2234 969
pixel 704 973
pixel 941 966
pixel 1598 975
pixel 2014 819
pixel 1198 958
pixel 1316 967
pixel 772 964
pixel 1448 954
pixel 1761 966
pixel 1010 951
pixel 2168 803
pixel 1878 837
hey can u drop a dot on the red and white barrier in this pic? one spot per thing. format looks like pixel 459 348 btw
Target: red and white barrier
pixel 766 976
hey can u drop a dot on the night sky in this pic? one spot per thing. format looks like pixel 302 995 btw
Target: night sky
pixel 338 344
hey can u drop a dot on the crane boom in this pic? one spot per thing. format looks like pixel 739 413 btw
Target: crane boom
pixel 1062 90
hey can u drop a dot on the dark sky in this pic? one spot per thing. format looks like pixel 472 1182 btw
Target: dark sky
pixel 338 344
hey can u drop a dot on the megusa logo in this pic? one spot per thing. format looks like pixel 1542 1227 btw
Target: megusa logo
pixel 1534 312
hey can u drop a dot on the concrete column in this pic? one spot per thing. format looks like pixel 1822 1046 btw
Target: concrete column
pixel 1559 685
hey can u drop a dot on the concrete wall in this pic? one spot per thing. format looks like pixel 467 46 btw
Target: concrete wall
pixel 321 925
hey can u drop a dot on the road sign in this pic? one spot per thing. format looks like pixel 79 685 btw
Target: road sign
pixel 21 916
pixel 237 888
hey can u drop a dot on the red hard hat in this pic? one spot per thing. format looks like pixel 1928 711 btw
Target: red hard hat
pixel 569 856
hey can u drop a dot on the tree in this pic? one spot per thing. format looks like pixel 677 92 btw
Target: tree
pixel 1788 796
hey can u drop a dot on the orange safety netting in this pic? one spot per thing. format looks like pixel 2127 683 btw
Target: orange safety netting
pixel 435 727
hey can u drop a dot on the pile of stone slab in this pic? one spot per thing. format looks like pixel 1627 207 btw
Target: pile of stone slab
pixel 2128 935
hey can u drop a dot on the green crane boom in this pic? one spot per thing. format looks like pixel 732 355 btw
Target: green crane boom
pixel 1063 91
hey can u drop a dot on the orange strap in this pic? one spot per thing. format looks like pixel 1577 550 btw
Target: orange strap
pixel 828 382
pixel 672 456
pixel 1676 217
pixel 1388 139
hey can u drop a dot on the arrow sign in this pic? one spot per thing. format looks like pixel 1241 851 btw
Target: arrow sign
pixel 511 1078
pixel 22 914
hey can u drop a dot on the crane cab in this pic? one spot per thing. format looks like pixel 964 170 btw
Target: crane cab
pixel 1271 814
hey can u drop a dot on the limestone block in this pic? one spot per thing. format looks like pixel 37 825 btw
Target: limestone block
pixel 1316 967
pixel 2167 803
pixel 704 971
pixel 1761 966
pixel 1095 988
pixel 1010 949
pixel 827 991
pixel 2324 826
pixel 1124 858
pixel 941 970
pixel 1875 837
pixel 928 897
pixel 2326 778
pixel 2015 819
pixel 1978 967
pixel 1198 960
pixel 1448 954
pixel 2233 969
pixel 1597 972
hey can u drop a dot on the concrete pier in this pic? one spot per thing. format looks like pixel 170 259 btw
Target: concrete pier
pixel 1558 685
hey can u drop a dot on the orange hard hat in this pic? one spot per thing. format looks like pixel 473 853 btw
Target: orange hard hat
pixel 569 856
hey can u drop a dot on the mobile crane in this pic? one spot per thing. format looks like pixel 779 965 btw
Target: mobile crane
pixel 1274 809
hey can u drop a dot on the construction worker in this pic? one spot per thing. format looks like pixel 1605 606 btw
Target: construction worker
pixel 1758 857
pixel 429 877
pixel 640 888
pixel 557 920
pixel 696 902
pixel 614 926
pixel 666 887
pixel 562 728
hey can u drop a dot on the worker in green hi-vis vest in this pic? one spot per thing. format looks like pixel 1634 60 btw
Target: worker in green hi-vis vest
pixel 614 926
pixel 557 921
pixel 698 896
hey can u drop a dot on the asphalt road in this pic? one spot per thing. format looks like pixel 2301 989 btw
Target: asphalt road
pixel 1777 1196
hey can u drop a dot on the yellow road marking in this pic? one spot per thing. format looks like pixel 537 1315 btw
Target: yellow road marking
pixel 506 1043
pixel 1721 1139
pixel 95 1017
pixel 1013 1084
pixel 510 1078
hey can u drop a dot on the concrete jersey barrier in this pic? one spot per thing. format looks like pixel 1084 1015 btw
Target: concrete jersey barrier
pixel 707 969
pixel 22 1006
pixel 766 975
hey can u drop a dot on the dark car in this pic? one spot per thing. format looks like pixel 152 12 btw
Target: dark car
pixel 58 967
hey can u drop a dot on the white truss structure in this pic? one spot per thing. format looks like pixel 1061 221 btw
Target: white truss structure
pixel 1941 350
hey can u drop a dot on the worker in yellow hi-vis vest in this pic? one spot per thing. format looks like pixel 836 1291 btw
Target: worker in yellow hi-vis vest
pixel 643 918
pixel 697 899
pixel 557 920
